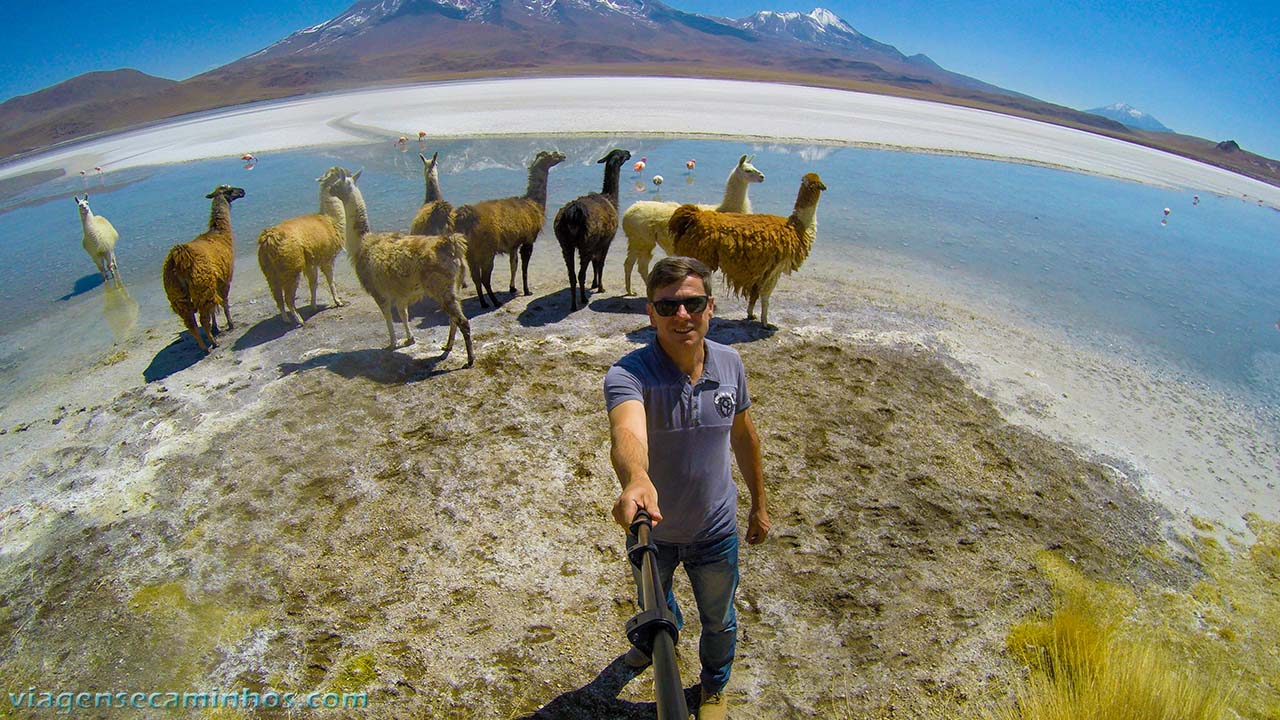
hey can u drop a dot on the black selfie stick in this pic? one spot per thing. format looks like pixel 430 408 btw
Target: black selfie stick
pixel 654 630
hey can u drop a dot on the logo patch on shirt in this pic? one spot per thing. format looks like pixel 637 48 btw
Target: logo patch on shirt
pixel 725 404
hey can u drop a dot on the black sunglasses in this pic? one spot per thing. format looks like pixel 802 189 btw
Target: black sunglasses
pixel 692 305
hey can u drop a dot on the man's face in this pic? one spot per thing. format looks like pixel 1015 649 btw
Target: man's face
pixel 683 329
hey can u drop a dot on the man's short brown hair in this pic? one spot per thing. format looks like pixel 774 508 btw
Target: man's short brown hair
pixel 675 268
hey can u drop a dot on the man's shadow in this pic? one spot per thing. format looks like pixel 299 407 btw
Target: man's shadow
pixel 598 699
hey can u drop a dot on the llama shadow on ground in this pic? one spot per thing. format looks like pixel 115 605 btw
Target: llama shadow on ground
pixel 620 304
pixel 471 306
pixel 178 355
pixel 82 286
pixel 547 310
pixel 272 327
pixel 383 366
pixel 598 699
pixel 725 332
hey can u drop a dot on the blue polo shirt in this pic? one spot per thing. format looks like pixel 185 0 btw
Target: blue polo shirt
pixel 688 424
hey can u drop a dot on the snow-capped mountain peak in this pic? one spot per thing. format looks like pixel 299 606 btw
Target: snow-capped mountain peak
pixel 828 19
pixel 1126 114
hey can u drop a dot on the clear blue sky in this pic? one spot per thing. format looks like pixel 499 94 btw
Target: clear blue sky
pixel 1208 69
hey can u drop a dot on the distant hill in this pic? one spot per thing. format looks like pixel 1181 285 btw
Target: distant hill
pixel 1130 116
pixel 383 42
pixel 72 108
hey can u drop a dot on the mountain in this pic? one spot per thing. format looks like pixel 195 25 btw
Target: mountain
pixel 87 94
pixel 397 41
pixel 1130 116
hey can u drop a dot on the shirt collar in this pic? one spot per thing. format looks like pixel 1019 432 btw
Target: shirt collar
pixel 710 365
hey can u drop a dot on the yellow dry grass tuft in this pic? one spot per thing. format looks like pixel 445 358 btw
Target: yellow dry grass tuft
pixel 1086 663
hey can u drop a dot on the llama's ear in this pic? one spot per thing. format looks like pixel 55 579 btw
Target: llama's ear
pixel 434 155
pixel 357 175
pixel 742 161
pixel 424 158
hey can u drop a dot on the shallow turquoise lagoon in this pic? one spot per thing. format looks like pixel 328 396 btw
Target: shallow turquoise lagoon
pixel 1081 254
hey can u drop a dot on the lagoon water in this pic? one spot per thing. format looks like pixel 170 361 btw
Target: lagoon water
pixel 1086 256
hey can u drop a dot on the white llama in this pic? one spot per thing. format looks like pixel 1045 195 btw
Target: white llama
pixel 99 241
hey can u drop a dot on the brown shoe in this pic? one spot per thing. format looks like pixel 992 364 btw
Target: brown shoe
pixel 636 659
pixel 714 706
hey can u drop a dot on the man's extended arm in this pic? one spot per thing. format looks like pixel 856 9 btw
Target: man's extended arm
pixel 630 456
pixel 746 449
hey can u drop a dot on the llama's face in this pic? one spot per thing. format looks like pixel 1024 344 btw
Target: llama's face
pixel 227 191
pixel 548 159
pixel 813 183
pixel 749 171
pixel 83 204
pixel 429 166
pixel 615 158
pixel 340 183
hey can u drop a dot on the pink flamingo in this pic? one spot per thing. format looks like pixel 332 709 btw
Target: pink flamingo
pixel 690 165
pixel 639 166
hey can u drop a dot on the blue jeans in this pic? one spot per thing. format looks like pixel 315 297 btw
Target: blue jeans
pixel 712 568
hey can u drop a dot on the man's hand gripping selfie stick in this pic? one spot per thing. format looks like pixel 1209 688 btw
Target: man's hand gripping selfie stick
pixel 654 630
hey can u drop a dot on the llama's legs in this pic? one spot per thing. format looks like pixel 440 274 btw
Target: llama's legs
pixel 479 283
pixel 290 294
pixel 404 317
pixel 573 289
pixel 225 291
pixel 385 307
pixel 457 319
pixel 514 257
pixel 113 268
pixel 190 321
pixel 333 291
pixel 101 262
pixel 277 294
pixel 206 322
pixel 313 279
pixel 582 278
pixel 486 277
pixel 598 275
pixel 752 295
pixel 526 252
pixel 627 264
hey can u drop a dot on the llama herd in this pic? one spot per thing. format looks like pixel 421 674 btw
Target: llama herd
pixel 445 242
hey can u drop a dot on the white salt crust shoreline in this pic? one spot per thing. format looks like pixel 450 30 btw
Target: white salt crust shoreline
pixel 641 105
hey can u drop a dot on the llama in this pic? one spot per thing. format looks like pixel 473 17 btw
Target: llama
pixel 398 270
pixel 588 225
pixel 505 225
pixel 435 217
pixel 753 251
pixel 197 274
pixel 99 241
pixel 302 244
pixel 645 222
